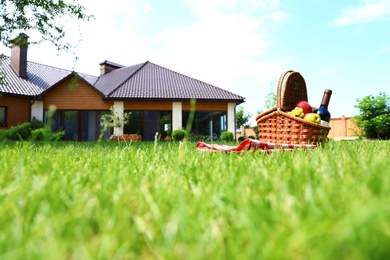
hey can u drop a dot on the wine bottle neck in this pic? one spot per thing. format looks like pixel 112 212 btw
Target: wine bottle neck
pixel 326 98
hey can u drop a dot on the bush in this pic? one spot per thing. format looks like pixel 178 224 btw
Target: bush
pixel 252 137
pixel 36 124
pixel 241 138
pixel 179 135
pixel 22 131
pixel 227 136
pixel 42 134
pixel 3 134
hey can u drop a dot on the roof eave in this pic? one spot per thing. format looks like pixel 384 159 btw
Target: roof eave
pixel 238 101
pixel 35 97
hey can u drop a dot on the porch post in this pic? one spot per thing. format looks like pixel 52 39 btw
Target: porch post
pixel 118 110
pixel 176 115
pixel 231 118
pixel 37 111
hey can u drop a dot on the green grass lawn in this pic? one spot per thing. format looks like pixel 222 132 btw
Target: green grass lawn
pixel 168 201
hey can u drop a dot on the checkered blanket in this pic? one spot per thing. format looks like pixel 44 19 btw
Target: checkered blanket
pixel 252 145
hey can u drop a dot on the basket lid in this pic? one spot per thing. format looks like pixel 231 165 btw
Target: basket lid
pixel 291 88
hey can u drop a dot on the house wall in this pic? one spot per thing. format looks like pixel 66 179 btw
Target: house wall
pixel 167 105
pixel 82 97
pixel 206 106
pixel 148 105
pixel 18 110
pixel 245 131
pixel 342 128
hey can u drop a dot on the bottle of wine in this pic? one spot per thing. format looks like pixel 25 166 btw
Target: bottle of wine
pixel 323 109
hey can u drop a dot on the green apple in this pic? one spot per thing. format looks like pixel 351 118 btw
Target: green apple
pixel 313 117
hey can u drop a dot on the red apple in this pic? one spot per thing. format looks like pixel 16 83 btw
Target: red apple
pixel 312 117
pixel 305 106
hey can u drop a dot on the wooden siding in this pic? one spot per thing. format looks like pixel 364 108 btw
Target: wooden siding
pixel 18 110
pixel 167 105
pixel 147 105
pixel 82 97
pixel 206 106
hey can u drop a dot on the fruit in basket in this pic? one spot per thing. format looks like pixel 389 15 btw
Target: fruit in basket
pixel 297 112
pixel 312 117
pixel 305 106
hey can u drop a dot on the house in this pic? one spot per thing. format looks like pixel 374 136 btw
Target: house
pixel 158 99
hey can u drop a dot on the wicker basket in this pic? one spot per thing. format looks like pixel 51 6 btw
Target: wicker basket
pixel 276 126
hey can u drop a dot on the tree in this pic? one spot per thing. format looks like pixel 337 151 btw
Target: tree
pixel 374 117
pixel 242 118
pixel 44 17
pixel 18 16
pixel 270 99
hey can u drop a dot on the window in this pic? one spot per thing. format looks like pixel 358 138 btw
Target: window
pixel 148 123
pixel 209 124
pixel 3 116
pixel 80 125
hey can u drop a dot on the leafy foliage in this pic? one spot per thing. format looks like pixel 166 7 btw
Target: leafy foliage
pixel 43 134
pixel 241 138
pixel 374 117
pixel 20 132
pixel 114 119
pixel 227 136
pixel 40 16
pixel 242 117
pixel 270 99
pixel 44 17
pixel 256 130
pixel 179 135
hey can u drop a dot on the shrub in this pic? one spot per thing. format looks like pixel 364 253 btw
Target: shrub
pixel 241 138
pixel 3 134
pixel 22 131
pixel 179 135
pixel 42 134
pixel 252 137
pixel 227 136
pixel 36 124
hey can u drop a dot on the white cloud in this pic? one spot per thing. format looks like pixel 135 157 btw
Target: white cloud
pixel 225 45
pixel 280 17
pixel 371 10
pixel 114 35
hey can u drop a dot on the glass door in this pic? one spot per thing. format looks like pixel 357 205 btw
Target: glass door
pixel 70 125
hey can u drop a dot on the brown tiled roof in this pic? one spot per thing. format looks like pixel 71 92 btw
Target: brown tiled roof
pixel 151 81
pixel 142 81
pixel 110 81
pixel 39 78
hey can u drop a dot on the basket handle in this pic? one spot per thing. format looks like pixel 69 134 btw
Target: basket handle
pixel 280 89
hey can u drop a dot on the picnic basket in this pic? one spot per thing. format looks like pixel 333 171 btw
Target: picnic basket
pixel 276 126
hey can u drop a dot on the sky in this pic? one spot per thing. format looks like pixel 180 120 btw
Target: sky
pixel 242 46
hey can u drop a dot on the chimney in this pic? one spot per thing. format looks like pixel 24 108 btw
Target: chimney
pixel 108 66
pixel 19 55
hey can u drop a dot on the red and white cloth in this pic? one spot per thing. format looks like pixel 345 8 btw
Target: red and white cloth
pixel 252 145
